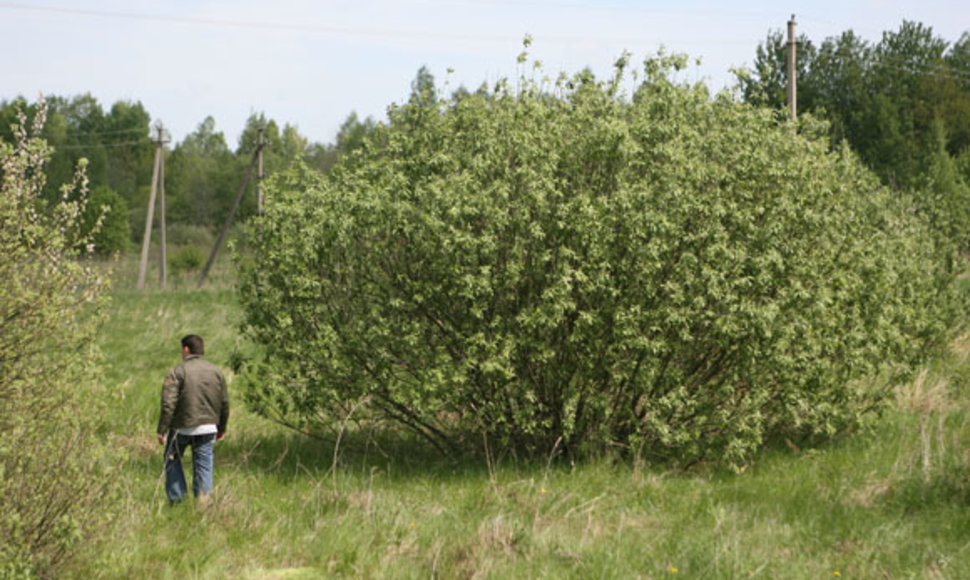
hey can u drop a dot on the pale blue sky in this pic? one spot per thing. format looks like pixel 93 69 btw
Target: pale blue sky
pixel 310 63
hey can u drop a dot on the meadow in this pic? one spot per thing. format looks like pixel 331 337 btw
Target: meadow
pixel 889 502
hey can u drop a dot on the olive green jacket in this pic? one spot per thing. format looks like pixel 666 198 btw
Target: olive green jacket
pixel 194 393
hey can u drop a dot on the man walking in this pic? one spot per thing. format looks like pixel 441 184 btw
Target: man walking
pixel 195 411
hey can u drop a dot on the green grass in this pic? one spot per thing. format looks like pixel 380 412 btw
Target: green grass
pixel 890 503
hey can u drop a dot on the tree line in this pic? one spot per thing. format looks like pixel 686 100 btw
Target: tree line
pixel 202 172
pixel 902 103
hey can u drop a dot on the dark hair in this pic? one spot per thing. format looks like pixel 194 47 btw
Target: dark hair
pixel 194 344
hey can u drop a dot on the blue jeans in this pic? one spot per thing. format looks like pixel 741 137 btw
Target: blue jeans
pixel 202 452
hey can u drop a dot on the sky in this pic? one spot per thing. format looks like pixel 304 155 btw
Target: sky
pixel 311 63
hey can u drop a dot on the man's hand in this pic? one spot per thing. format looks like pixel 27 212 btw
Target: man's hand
pixel 161 440
pixel 220 436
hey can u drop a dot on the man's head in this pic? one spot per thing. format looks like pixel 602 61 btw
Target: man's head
pixel 192 344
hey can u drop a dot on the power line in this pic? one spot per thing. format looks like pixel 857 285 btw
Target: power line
pixel 96 145
pixel 81 134
pixel 940 70
pixel 353 31
pixel 223 22
pixel 341 30
pixel 871 61
pixel 378 32
pixel 116 132
pixel 934 69
pixel 607 7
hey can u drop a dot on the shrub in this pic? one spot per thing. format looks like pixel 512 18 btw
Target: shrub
pixel 181 234
pixel 186 259
pixel 52 478
pixel 106 222
pixel 670 273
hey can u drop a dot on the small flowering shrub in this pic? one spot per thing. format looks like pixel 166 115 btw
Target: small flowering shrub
pixel 53 481
pixel 669 273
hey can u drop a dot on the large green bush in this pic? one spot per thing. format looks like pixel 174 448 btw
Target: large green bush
pixel 53 481
pixel 671 273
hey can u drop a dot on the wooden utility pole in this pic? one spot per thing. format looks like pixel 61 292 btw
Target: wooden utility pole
pixel 143 266
pixel 792 92
pixel 232 213
pixel 259 175
pixel 163 273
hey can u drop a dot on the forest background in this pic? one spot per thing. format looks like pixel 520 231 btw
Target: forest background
pixel 902 103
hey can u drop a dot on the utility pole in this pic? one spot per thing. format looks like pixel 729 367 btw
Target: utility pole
pixel 232 212
pixel 163 273
pixel 259 174
pixel 143 266
pixel 792 91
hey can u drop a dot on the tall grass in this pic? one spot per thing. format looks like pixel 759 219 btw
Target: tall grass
pixel 888 503
pixel 125 267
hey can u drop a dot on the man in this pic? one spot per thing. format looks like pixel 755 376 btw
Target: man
pixel 195 411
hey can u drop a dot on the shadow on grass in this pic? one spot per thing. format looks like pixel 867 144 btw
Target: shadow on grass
pixel 951 487
pixel 290 455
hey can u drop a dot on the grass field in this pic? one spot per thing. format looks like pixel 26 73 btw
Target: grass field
pixel 890 503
